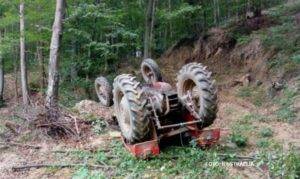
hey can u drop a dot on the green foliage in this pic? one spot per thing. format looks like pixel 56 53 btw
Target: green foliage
pixel 256 94
pixel 81 173
pixel 239 139
pixel 281 164
pixel 285 113
pixel 289 64
pixel 266 132
pixel 184 162
pixel 98 126
pixel 262 144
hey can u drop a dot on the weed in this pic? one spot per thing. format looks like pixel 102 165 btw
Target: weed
pixel 281 164
pixel 244 92
pixel 285 114
pixel 98 126
pixel 262 144
pixel 81 172
pixel 256 95
pixel 266 132
pixel 26 138
pixel 287 99
pixel 239 139
pixel 2 103
pixel 228 110
pixel 244 39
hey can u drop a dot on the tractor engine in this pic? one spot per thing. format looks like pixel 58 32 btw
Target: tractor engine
pixel 161 98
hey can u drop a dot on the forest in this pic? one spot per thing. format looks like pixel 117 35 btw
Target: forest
pixel 54 123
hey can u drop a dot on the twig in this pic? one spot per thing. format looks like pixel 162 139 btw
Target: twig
pixel 20 145
pixel 20 117
pixel 237 157
pixel 59 166
pixel 76 125
pixel 12 127
pixel 73 151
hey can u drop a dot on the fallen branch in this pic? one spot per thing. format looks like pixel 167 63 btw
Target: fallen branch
pixel 12 127
pixel 237 157
pixel 20 145
pixel 59 166
pixel 74 151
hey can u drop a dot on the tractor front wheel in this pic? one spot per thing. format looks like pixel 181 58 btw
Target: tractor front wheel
pixel 150 71
pixel 130 108
pixel 195 87
pixel 104 91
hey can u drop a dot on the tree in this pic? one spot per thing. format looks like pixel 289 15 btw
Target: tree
pixel 1 74
pixel 23 63
pixel 149 24
pixel 53 78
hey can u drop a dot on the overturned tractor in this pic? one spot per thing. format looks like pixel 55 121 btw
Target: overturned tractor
pixel 151 112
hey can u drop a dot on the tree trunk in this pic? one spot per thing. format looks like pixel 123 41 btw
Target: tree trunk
pixel 16 74
pixel 24 80
pixel 216 11
pixel 74 71
pixel 1 74
pixel 39 51
pixel 53 78
pixel 149 23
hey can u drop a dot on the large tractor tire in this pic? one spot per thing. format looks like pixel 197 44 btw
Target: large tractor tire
pixel 150 71
pixel 194 81
pixel 130 109
pixel 104 91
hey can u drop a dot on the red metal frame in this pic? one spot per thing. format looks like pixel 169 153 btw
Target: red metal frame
pixel 143 150
pixel 151 148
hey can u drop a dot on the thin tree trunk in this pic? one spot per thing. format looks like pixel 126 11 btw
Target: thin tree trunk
pixel 1 74
pixel 216 11
pixel 204 14
pixel 39 51
pixel 171 28
pixel 73 67
pixel 24 80
pixel 53 78
pixel 149 23
pixel 16 74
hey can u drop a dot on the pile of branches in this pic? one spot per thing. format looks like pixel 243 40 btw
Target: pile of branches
pixel 67 125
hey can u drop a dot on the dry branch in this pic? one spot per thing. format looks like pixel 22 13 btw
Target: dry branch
pixel 12 127
pixel 59 166
pixel 20 145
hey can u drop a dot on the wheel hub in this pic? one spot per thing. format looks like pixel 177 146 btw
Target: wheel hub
pixel 125 122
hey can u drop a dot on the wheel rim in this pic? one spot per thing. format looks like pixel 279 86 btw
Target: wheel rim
pixel 124 115
pixel 191 94
pixel 149 74
pixel 101 93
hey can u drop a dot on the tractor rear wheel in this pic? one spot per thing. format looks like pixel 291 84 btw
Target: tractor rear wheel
pixel 130 108
pixel 150 71
pixel 104 91
pixel 195 87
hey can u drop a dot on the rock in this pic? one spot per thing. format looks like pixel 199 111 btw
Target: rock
pixel 244 81
pixel 277 86
pixel 88 107
pixel 114 134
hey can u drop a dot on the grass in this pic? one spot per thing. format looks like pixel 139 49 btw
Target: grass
pixel 287 99
pixel 266 132
pixel 281 164
pixel 256 94
pixel 183 162
pixel 239 139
